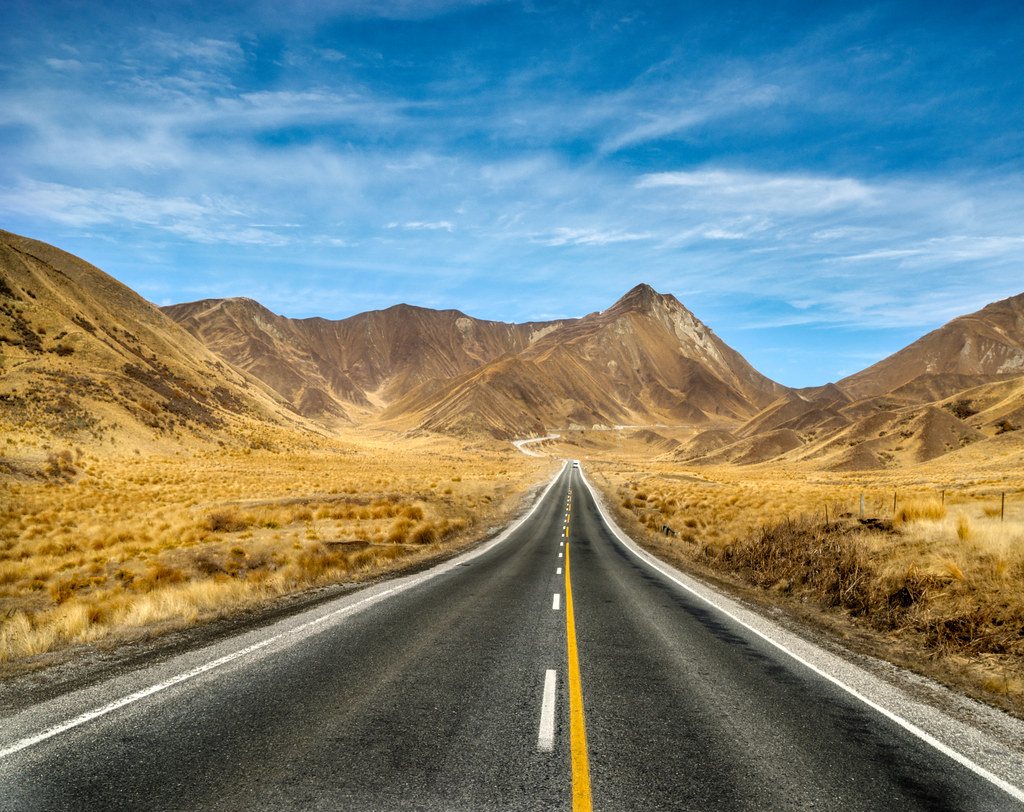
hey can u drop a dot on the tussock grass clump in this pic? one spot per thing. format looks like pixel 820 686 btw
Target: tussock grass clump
pixel 227 521
pixel 424 533
pixel 920 511
pixel 844 566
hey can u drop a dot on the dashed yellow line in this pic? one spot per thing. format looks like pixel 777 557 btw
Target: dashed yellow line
pixel 581 800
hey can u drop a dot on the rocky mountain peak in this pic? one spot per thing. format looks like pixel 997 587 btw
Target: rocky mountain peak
pixel 643 299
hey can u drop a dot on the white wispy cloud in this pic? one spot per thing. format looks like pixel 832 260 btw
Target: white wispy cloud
pixel 648 119
pixel 205 220
pixel 205 49
pixel 64 64
pixel 588 236
pixel 442 225
pixel 787 179
pixel 758 191
pixel 310 12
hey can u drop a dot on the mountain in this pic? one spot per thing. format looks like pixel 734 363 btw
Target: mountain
pixel 356 365
pixel 968 351
pixel 955 392
pixel 646 359
pixel 85 359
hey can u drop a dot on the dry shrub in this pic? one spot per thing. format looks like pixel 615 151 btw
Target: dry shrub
pixel 11 572
pixel 451 527
pixel 840 566
pixel 399 533
pixel 829 563
pixel 363 560
pixel 226 521
pixel 316 563
pixel 206 565
pixel 157 576
pixel 386 554
pixel 19 638
pixel 60 465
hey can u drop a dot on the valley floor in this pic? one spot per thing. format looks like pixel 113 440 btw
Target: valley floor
pixel 119 557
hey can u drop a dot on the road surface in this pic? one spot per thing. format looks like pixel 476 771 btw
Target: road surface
pixel 493 682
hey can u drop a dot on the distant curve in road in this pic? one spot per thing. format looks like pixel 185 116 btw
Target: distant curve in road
pixel 454 690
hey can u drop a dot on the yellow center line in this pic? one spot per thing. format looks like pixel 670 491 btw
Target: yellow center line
pixel 581 801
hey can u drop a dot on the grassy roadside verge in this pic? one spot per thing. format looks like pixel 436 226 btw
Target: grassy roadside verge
pixel 118 550
pixel 934 587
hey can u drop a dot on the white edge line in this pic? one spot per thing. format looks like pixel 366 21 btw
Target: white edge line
pixel 297 632
pixel 546 735
pixel 1011 789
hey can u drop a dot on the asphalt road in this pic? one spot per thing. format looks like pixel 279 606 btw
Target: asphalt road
pixel 430 695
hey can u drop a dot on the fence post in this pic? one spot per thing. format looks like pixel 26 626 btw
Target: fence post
pixel 1002 506
pixel 862 505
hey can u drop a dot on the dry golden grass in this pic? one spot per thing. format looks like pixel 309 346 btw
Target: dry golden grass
pixel 149 543
pixel 935 565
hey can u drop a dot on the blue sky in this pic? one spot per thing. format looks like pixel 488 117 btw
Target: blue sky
pixel 820 183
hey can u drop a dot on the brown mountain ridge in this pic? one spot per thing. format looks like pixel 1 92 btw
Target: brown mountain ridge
pixel 86 359
pixel 957 390
pixel 356 365
pixel 646 359
pixel 967 351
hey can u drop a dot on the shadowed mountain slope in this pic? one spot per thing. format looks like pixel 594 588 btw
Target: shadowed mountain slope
pixel 325 368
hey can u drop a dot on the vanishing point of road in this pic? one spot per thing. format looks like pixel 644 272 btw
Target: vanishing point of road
pixel 553 668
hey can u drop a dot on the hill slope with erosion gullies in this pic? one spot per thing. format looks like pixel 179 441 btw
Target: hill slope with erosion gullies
pixel 956 394
pixel 87 361
pixel 645 360
pixel 967 351
pixel 329 369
